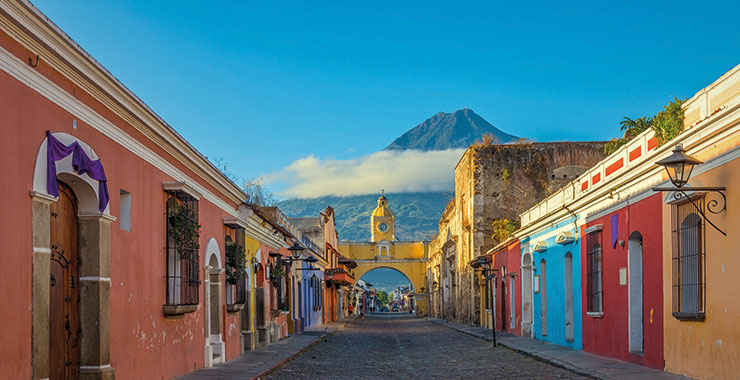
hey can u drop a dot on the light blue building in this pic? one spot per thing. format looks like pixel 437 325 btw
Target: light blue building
pixel 310 292
pixel 551 258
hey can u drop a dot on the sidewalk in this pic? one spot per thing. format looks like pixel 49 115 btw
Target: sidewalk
pixel 580 362
pixel 259 362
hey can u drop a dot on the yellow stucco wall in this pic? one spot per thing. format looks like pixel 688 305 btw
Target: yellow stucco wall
pixel 250 247
pixel 708 349
pixel 407 257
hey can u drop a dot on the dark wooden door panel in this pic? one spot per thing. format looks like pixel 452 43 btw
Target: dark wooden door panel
pixel 64 307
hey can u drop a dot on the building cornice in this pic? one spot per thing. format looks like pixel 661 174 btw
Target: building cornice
pixel 257 231
pixel 634 182
pixel 28 26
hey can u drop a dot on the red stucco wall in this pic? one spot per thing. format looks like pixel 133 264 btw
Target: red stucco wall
pixel 143 343
pixel 509 257
pixel 609 335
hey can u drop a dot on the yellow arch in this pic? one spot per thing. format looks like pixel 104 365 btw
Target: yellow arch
pixel 409 258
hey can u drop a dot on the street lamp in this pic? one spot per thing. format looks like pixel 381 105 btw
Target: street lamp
pixel 485 267
pixel 679 166
pixel 296 250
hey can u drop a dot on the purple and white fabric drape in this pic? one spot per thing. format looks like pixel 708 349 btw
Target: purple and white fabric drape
pixel 81 163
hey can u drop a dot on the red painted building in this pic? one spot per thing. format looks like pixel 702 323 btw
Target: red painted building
pixel 151 303
pixel 507 287
pixel 622 274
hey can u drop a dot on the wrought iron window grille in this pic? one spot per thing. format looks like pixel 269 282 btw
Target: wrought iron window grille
pixel 688 260
pixel 182 249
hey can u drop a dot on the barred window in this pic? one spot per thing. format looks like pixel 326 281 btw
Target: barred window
pixel 278 278
pixel 594 269
pixel 236 286
pixel 183 232
pixel 688 261
pixel 316 292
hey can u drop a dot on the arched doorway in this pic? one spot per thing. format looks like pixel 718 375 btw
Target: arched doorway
pixel 503 299
pixel 70 303
pixel 64 294
pixel 634 267
pixel 214 348
pixel 543 297
pixel 526 294
pixel 400 291
pixel 568 290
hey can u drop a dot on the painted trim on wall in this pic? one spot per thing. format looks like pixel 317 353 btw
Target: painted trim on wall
pixel 48 89
pixel 32 29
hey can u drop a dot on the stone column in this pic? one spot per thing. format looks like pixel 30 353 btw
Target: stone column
pixel 95 285
pixel 41 236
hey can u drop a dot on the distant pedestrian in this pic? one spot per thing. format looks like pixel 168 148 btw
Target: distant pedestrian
pixel 351 309
pixel 362 313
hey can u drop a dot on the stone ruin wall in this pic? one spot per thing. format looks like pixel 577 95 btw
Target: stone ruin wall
pixel 501 181
pixel 535 171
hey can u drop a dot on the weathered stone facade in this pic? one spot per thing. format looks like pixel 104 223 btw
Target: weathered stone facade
pixel 494 182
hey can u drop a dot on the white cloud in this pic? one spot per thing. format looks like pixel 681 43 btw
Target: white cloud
pixel 394 171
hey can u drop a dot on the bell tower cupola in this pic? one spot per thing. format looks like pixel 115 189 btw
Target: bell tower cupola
pixel 382 222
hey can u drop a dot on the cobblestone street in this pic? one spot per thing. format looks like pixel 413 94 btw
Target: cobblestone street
pixel 411 348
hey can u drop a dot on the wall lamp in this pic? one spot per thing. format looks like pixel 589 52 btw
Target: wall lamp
pixel 679 166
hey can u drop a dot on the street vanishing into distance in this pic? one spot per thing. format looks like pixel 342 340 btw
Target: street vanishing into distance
pixel 395 346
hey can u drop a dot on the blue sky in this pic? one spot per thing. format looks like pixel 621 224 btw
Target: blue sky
pixel 267 85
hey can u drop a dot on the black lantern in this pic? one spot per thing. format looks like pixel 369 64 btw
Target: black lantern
pixel 296 250
pixel 679 166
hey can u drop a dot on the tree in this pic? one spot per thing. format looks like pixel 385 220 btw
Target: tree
pixel 257 193
pixel 485 140
pixel 383 298
pixel 667 124
pixel 502 229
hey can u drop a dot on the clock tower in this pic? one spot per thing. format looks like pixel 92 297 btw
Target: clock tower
pixel 382 222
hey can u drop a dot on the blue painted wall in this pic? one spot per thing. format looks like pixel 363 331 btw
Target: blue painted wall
pixel 554 258
pixel 311 317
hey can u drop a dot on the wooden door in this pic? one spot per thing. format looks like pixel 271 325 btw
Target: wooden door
pixel 503 304
pixel 64 295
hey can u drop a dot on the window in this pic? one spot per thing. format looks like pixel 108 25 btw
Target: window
pixel 594 267
pixel 236 287
pixel 316 292
pixel 183 231
pixel 278 277
pixel 688 261
pixel 125 213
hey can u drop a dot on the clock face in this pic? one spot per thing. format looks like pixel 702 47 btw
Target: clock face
pixel 382 227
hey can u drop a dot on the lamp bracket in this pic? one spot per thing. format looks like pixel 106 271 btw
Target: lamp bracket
pixel 713 205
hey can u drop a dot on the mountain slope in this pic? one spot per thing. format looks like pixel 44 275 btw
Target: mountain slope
pixel 449 130
pixel 417 214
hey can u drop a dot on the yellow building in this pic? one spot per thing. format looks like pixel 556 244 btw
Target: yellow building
pixel 384 251
pixel 700 264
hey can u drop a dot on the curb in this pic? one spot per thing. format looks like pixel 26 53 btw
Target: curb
pixel 554 362
pixel 291 357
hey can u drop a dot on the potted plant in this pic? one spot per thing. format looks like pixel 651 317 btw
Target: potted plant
pixel 184 229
